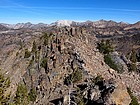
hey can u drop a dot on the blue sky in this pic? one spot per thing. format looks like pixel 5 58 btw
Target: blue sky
pixel 47 11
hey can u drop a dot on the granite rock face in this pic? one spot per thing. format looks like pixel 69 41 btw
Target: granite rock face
pixel 63 66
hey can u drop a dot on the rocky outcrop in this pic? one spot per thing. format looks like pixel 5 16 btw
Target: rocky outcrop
pixel 123 98
pixel 59 65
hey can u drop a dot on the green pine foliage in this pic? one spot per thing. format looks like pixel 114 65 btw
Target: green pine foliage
pixel 44 63
pixel 108 60
pixel 133 57
pixel 105 47
pixel 34 48
pixel 79 99
pixel 46 39
pixel 21 97
pixel 98 79
pixel 27 53
pixel 134 100
pixel 4 84
pixel 77 75
pixel 133 67
pixel 32 95
pixel 74 77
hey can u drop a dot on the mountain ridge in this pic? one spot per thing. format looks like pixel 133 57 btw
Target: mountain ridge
pixel 61 23
pixel 53 61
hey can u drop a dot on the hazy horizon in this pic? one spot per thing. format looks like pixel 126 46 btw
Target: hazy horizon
pixel 19 11
pixel 66 20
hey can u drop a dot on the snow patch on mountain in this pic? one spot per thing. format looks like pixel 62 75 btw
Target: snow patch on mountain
pixel 63 23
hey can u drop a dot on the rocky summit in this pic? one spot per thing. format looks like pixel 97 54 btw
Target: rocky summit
pixel 87 63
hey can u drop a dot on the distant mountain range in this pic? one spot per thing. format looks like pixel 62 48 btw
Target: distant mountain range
pixel 62 23
pixel 24 25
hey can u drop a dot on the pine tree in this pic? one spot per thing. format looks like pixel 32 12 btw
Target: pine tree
pixel 133 57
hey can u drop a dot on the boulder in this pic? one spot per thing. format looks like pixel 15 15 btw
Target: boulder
pixel 120 95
